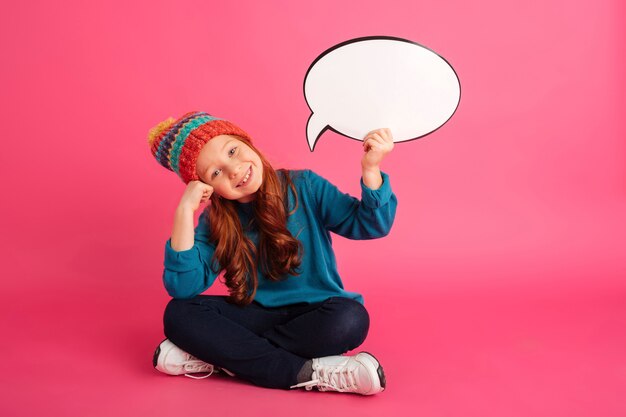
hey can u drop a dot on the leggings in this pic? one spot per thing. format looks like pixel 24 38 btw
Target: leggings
pixel 265 346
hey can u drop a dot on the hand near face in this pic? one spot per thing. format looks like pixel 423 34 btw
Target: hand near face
pixel 376 145
pixel 195 193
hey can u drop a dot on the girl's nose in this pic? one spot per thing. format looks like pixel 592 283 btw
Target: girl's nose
pixel 234 171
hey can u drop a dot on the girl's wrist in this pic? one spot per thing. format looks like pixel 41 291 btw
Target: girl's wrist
pixel 184 209
pixel 371 177
pixel 370 168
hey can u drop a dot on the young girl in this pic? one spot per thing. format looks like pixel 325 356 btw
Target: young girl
pixel 287 319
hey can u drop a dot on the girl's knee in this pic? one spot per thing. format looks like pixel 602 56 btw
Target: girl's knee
pixel 352 321
pixel 175 313
pixel 179 314
pixel 184 316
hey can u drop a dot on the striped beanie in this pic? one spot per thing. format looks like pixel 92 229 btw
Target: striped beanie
pixel 176 144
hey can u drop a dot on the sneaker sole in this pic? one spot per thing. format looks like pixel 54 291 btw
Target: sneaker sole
pixel 157 352
pixel 380 371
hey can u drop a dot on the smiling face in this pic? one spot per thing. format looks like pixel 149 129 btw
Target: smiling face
pixel 231 167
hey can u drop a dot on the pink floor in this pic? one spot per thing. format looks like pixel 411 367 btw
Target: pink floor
pixel 513 350
pixel 500 291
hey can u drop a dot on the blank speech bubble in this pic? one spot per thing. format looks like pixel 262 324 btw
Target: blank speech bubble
pixel 368 83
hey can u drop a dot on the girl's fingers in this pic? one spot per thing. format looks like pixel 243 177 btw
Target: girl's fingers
pixel 388 137
pixel 380 139
pixel 374 136
pixel 369 144
pixel 373 147
pixel 377 139
pixel 384 134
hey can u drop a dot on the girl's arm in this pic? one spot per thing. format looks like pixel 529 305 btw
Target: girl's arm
pixel 182 231
pixel 195 194
pixel 376 145
pixel 373 215
pixel 189 252
pixel 370 217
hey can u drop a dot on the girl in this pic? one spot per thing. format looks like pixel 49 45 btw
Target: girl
pixel 287 319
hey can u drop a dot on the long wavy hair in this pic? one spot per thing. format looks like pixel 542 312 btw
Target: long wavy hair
pixel 278 252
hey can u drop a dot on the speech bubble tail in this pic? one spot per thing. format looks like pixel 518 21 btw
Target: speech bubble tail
pixel 314 129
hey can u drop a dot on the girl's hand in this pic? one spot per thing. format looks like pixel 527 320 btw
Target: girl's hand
pixel 376 145
pixel 195 194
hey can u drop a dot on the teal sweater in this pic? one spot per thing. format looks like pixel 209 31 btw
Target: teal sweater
pixel 322 209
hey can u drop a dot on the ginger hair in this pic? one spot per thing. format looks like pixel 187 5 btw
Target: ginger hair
pixel 278 252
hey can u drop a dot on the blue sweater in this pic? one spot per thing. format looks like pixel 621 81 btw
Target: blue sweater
pixel 322 209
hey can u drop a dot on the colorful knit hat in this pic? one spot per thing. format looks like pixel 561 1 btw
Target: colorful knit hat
pixel 176 144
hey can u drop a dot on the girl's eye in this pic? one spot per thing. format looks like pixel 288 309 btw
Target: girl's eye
pixel 230 153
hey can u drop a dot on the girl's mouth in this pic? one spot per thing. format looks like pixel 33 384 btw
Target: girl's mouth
pixel 246 178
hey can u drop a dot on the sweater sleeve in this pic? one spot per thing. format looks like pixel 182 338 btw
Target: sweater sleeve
pixel 368 218
pixel 188 273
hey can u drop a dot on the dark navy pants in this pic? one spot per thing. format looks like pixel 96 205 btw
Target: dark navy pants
pixel 265 346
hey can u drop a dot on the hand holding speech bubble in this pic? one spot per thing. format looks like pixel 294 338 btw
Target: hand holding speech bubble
pixel 379 82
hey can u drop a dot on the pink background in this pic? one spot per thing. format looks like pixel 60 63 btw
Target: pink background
pixel 499 292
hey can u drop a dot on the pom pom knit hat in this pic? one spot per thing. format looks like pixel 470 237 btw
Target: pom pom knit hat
pixel 176 144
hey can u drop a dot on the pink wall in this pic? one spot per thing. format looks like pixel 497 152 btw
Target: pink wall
pixel 523 190
pixel 528 176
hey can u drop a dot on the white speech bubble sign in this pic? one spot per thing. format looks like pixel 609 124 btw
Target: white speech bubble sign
pixel 375 82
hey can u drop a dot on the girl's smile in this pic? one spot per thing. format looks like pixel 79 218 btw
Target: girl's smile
pixel 246 178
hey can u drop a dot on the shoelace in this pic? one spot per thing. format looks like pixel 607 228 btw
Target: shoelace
pixel 340 379
pixel 193 365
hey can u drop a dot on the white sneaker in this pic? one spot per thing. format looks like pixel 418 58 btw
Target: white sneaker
pixel 172 360
pixel 359 374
